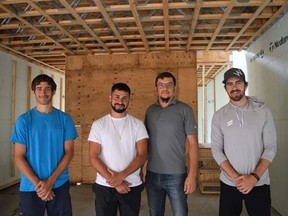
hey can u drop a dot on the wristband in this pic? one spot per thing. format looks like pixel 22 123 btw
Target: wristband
pixel 255 176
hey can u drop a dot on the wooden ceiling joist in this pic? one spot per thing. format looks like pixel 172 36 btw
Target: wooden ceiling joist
pixel 42 29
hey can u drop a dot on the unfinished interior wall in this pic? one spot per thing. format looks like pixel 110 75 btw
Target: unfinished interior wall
pixel 89 80
pixel 267 66
pixel 16 98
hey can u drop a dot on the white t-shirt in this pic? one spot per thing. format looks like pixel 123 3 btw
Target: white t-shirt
pixel 118 137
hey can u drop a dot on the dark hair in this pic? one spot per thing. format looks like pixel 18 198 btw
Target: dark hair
pixel 163 75
pixel 121 87
pixel 43 78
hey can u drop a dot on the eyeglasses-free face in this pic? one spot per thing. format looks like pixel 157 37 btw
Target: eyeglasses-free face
pixel 43 93
pixel 235 88
pixel 119 101
pixel 40 89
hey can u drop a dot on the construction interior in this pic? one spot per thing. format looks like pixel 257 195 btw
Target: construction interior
pixel 87 45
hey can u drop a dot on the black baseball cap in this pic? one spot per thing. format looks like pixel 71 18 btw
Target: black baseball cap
pixel 234 72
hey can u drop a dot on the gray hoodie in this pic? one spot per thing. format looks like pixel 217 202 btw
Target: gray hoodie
pixel 243 135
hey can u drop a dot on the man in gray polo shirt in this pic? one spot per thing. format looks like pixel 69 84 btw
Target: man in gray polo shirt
pixel 169 122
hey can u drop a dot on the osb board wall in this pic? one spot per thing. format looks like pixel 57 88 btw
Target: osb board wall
pixel 89 80
pixel 75 166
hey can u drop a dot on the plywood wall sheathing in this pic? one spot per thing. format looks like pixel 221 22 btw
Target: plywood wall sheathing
pixel 75 166
pixel 89 80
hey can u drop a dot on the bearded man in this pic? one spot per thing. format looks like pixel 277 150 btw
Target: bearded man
pixel 244 145
pixel 169 123
pixel 117 151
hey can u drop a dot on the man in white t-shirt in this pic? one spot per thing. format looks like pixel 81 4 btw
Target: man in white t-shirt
pixel 117 151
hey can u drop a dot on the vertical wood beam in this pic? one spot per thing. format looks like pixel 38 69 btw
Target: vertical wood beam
pixel 55 92
pixel 13 117
pixel 214 94
pixel 29 75
pixel 61 93
pixel 203 106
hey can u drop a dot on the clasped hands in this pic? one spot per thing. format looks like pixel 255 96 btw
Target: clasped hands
pixel 44 190
pixel 245 183
pixel 117 181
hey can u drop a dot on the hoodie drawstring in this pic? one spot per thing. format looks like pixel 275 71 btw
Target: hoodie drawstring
pixel 241 121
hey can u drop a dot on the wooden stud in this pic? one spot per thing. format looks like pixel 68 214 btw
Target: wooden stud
pixel 29 80
pixel 61 94
pixel 14 85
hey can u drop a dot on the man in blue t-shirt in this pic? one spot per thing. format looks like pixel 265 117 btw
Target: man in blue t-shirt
pixel 43 141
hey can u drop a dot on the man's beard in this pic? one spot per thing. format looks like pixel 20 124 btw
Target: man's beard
pixel 119 110
pixel 165 100
pixel 236 97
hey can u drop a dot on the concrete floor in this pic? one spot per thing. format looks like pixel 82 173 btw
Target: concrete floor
pixel 83 203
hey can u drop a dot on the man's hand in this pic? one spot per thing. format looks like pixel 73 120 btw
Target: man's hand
pixel 123 188
pixel 44 190
pixel 189 185
pixel 48 197
pixel 116 178
pixel 245 183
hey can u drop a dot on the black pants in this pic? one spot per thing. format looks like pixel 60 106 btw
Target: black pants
pixel 257 202
pixel 108 200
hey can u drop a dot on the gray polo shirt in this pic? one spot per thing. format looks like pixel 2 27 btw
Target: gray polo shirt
pixel 167 128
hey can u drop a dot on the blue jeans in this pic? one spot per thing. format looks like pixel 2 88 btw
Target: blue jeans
pixel 160 185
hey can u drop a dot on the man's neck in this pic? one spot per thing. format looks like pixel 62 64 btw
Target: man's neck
pixel 117 115
pixel 242 102
pixel 44 108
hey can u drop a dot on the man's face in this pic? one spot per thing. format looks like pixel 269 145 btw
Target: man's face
pixel 119 100
pixel 43 93
pixel 165 89
pixel 235 88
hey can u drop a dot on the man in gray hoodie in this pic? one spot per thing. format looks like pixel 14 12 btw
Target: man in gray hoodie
pixel 244 145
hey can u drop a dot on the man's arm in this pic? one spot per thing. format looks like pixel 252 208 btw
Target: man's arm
pixel 217 147
pixel 96 162
pixel 45 186
pixel 63 164
pixel 136 163
pixel 227 168
pixel 247 182
pixel 190 182
pixel 22 163
pixel 101 168
pixel 262 167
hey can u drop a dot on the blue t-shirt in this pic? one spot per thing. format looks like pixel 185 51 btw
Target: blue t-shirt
pixel 44 136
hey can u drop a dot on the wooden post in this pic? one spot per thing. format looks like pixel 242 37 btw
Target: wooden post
pixel 29 88
pixel 61 94
pixel 55 93
pixel 14 73
pixel 203 106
